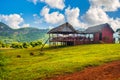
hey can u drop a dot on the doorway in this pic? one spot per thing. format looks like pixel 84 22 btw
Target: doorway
pixel 100 36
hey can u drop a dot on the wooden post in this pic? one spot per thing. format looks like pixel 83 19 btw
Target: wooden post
pixel 89 41
pixel 84 38
pixel 74 38
pixel 119 36
pixel 77 37
pixel 57 40
pixel 49 39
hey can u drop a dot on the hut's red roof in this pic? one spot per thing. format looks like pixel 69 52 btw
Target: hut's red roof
pixel 98 28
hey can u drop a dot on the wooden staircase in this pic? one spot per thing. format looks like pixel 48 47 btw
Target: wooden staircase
pixel 41 49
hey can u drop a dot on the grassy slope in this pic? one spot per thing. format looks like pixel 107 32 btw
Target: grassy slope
pixel 57 61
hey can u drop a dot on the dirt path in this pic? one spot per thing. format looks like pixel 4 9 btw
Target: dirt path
pixel 108 71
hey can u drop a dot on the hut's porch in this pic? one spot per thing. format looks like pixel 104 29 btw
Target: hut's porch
pixel 62 39
pixel 71 40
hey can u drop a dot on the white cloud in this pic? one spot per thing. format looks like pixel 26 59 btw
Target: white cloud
pixel 37 19
pixel 59 4
pixel 13 20
pixel 95 16
pixel 44 11
pixel 55 3
pixel 25 25
pixel 50 27
pixel 34 1
pixel 106 5
pixel 73 17
pixel 34 15
pixel 115 23
pixel 52 18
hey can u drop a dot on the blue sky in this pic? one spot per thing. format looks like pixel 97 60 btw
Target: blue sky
pixel 51 13
pixel 28 8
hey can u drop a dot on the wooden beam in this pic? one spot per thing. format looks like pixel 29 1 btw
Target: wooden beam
pixel 49 40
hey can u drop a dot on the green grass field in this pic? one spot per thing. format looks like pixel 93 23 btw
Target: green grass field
pixel 55 61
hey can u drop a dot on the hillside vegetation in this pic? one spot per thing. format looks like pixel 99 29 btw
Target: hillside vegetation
pixel 30 64
pixel 28 34
pixel 20 45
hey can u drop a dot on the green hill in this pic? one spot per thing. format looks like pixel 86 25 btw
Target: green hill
pixel 28 34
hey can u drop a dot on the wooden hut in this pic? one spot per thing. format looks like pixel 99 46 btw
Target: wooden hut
pixel 102 33
pixel 65 34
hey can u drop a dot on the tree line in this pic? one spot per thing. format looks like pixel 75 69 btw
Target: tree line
pixel 20 44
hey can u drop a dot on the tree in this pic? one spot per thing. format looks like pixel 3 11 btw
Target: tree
pixel 16 45
pixel 35 43
pixel 26 45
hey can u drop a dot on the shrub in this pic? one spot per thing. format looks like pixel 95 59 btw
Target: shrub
pixel 26 45
pixel 35 43
pixel 16 45
pixel 18 56
pixel 31 54
pixel 20 44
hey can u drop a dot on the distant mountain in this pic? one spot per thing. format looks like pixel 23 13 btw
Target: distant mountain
pixel 28 34
pixel 4 27
pixel 5 30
